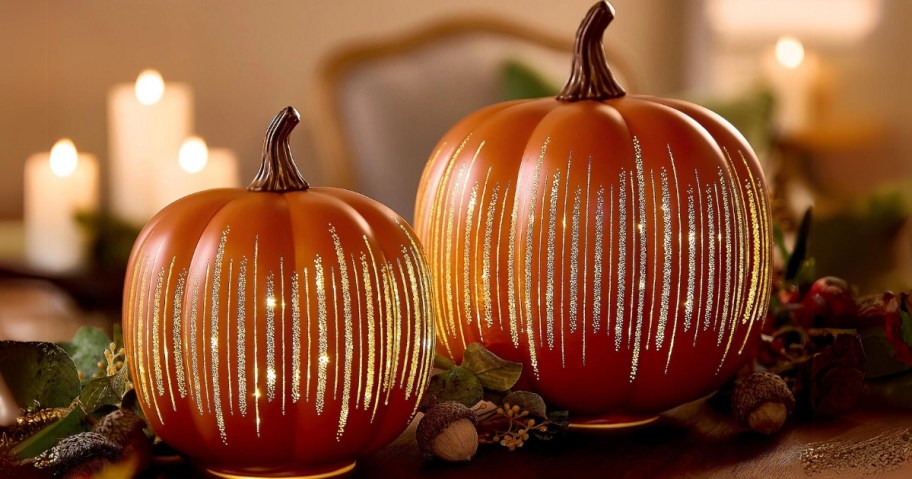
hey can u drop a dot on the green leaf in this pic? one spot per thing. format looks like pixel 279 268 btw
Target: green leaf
pixel 493 372
pixel 906 326
pixel 799 254
pixel 529 401
pixel 779 241
pixel 106 391
pixel 39 374
pixel 443 362
pixel 72 423
pixel 87 349
pixel 456 384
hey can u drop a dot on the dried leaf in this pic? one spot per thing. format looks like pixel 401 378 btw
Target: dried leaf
pixel 41 441
pixel 493 371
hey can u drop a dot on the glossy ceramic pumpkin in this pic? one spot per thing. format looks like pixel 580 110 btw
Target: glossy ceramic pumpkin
pixel 279 330
pixel 617 245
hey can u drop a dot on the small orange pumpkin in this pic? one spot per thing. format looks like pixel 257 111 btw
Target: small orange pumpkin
pixel 281 330
pixel 619 246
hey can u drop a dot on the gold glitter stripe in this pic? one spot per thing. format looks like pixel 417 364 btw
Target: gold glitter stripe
pixel 418 320
pixel 309 330
pixel 539 321
pixel 164 331
pixel 677 308
pixel 295 338
pixel 359 390
pixel 242 336
pixel 203 338
pixel 729 250
pixel 335 331
pixel 228 336
pixel 176 339
pixel 348 332
pixel 405 339
pixel 619 310
pixel 377 288
pixel 214 330
pixel 655 264
pixel 597 258
pixel 322 340
pixel 642 233
pixel 574 259
pixel 563 262
pixel 256 337
pixel 397 330
pixel 691 259
pixel 156 344
pixel 514 328
pixel 549 284
pixel 533 356
pixel 586 255
pixel 486 259
pixel 194 334
pixel 283 341
pixel 271 373
pixel 466 255
pixel 711 270
pixel 666 261
pixel 480 297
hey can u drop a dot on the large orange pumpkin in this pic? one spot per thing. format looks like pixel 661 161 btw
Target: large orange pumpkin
pixel 279 330
pixel 617 245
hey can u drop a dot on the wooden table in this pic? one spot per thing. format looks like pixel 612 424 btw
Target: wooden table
pixel 690 441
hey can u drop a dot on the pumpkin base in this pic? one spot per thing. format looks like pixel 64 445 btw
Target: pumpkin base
pixel 325 473
pixel 611 422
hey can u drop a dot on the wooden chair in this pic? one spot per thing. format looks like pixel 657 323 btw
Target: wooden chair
pixel 383 105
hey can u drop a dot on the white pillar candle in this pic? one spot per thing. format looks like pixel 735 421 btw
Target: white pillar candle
pixel 793 75
pixel 148 121
pixel 196 168
pixel 58 185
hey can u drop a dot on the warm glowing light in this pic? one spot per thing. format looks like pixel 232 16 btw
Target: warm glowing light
pixel 324 359
pixel 256 394
pixel 640 227
pixel 64 158
pixel 789 52
pixel 271 302
pixel 270 374
pixel 193 156
pixel 149 87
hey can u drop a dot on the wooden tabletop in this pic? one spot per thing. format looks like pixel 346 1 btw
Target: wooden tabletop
pixel 690 441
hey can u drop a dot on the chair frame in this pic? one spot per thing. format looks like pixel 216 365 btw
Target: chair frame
pixel 335 155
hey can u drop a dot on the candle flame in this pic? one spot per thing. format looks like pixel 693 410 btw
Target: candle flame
pixel 64 158
pixel 789 52
pixel 193 155
pixel 149 87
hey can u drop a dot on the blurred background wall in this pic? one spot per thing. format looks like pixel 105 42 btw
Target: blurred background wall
pixel 245 61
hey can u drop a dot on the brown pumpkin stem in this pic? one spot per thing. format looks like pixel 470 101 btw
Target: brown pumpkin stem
pixel 278 172
pixel 590 77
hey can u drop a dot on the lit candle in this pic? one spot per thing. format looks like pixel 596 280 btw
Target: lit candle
pixel 197 168
pixel 148 121
pixel 793 74
pixel 58 185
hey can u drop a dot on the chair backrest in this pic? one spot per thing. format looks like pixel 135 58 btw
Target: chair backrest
pixel 386 104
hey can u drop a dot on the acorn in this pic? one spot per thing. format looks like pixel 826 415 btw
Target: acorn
pixel 762 402
pixel 124 427
pixel 80 455
pixel 447 431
